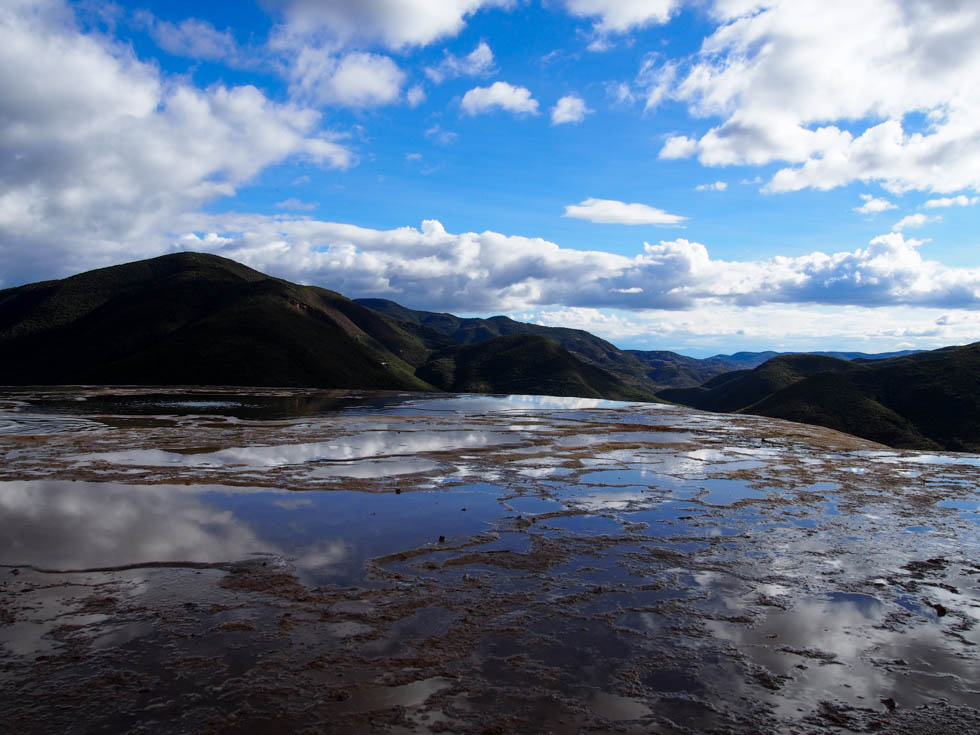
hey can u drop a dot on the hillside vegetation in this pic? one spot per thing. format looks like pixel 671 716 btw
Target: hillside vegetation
pixel 926 400
pixel 521 363
pixel 196 319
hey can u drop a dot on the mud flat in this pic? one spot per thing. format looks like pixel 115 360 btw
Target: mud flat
pixel 279 561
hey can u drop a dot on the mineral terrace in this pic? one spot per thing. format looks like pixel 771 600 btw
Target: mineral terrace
pixel 238 560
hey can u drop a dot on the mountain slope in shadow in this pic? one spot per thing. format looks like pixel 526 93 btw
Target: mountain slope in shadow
pixel 198 319
pixel 522 363
pixel 926 400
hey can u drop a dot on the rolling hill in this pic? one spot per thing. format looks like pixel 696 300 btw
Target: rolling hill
pixel 925 400
pixel 198 319
pixel 522 363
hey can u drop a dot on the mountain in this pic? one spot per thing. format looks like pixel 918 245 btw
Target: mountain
pixel 646 371
pixel 737 390
pixel 198 319
pixel 583 345
pixel 925 400
pixel 521 363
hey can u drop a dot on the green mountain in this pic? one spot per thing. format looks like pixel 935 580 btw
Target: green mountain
pixel 925 400
pixel 646 371
pixel 522 363
pixel 736 390
pixel 467 331
pixel 196 319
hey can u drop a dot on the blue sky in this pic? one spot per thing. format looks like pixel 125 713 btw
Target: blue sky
pixel 704 176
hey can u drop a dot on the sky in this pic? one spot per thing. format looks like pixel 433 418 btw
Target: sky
pixel 703 176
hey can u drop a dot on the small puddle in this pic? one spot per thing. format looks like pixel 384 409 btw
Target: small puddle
pixel 385 697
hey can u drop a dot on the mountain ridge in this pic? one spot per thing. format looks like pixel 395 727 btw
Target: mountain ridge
pixel 199 319
pixel 925 400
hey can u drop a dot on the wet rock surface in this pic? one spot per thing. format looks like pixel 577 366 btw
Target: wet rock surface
pixel 242 561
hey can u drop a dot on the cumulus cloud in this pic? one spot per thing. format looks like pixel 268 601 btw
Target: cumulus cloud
pixel 610 211
pixel 569 109
pixel 678 146
pixel 957 201
pixel 395 23
pixel 874 205
pixel 490 271
pixel 713 328
pixel 499 96
pixel 717 186
pixel 103 155
pixel 790 86
pixel 620 16
pixel 913 220
pixel 355 79
pixel 477 62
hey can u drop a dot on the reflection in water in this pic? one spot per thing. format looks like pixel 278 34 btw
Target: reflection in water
pixel 367 444
pixel 968 460
pixel 375 469
pixel 827 649
pixel 328 535
pixel 24 424
pixel 77 525
pixel 253 404
pixel 476 404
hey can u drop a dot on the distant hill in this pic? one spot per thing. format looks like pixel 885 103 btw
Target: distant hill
pixel 740 389
pixel 197 319
pixel 924 400
pixel 583 345
pixel 647 371
pixel 521 363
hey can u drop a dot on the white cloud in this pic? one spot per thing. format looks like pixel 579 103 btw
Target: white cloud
pixel 656 79
pixel 103 156
pixel 717 186
pixel 913 220
pixel 957 201
pixel 440 136
pixel 194 38
pixel 610 211
pixel 354 80
pixel 873 205
pixel 502 96
pixel 395 23
pixel 569 109
pixel 621 93
pixel 490 271
pixel 678 146
pixel 620 16
pixel 413 156
pixel 790 86
pixel 415 96
pixel 715 328
pixel 478 62
pixel 297 205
